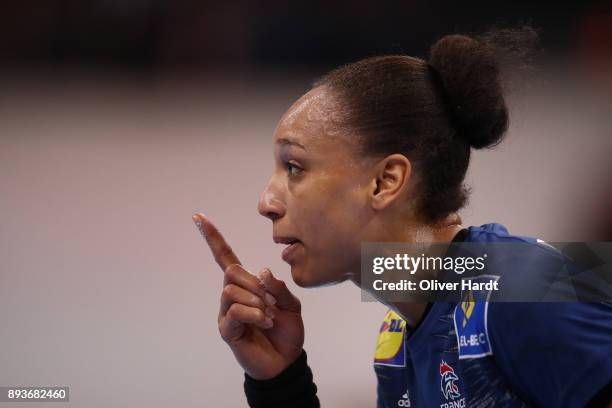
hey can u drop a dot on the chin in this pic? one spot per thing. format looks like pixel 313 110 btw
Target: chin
pixel 304 278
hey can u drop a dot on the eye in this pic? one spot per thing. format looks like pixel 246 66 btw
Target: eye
pixel 293 169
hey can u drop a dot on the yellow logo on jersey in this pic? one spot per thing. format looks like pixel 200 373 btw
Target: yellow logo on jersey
pixel 390 345
pixel 467 305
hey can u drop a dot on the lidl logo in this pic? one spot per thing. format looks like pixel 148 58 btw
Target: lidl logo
pixel 390 347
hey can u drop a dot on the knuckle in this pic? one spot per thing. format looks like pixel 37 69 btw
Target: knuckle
pixel 220 326
pixel 259 315
pixel 257 302
pixel 232 271
pixel 228 291
pixel 232 311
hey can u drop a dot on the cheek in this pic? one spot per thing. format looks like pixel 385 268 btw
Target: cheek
pixel 332 217
pixel 329 217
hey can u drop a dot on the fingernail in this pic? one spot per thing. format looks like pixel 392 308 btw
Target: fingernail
pixel 269 299
pixel 268 323
pixel 270 313
pixel 260 277
pixel 265 273
pixel 198 224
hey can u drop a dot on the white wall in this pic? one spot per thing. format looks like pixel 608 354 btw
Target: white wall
pixel 105 285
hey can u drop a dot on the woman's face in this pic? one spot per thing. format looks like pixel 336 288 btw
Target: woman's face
pixel 317 196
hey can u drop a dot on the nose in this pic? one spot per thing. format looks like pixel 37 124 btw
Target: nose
pixel 270 205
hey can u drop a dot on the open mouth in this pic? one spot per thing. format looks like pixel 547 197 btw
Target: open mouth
pixel 293 244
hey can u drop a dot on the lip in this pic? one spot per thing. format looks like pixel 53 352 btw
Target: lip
pixel 290 251
pixel 293 244
pixel 284 239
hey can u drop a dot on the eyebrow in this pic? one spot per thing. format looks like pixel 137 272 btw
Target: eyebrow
pixel 286 141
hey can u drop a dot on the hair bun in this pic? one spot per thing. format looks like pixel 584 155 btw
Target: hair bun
pixel 469 74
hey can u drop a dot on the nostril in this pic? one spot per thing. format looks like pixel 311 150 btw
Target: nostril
pixel 272 215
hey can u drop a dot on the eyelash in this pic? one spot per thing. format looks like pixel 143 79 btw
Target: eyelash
pixel 290 166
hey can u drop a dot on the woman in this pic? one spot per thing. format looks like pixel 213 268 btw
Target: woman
pixel 377 151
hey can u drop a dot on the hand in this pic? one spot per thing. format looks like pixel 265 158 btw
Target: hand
pixel 259 318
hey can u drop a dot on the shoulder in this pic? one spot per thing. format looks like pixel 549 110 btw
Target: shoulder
pixel 528 268
pixel 553 353
pixel 565 322
pixel 498 234
pixel 550 349
pixel 526 327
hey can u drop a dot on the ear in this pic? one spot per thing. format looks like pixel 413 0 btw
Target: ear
pixel 391 178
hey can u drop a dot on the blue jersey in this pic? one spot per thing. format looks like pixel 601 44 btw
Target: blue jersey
pixel 501 354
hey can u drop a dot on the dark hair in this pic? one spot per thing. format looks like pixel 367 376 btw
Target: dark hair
pixel 431 111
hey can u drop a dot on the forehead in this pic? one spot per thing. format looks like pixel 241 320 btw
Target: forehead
pixel 313 120
pixel 310 104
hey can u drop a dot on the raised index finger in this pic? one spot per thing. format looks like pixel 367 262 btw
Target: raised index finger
pixel 221 250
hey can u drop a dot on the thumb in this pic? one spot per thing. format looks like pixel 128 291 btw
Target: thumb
pixel 284 298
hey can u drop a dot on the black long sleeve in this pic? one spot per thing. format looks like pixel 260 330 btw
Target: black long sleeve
pixel 293 388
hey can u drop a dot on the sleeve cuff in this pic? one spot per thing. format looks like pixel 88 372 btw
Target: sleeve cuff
pixel 293 387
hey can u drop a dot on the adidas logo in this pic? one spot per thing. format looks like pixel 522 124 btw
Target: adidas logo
pixel 405 401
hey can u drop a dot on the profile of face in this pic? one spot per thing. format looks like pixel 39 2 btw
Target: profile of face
pixel 318 195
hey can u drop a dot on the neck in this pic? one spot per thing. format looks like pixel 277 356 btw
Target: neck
pixel 441 232
pixel 413 312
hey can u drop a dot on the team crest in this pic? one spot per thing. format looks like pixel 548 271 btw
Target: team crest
pixel 447 381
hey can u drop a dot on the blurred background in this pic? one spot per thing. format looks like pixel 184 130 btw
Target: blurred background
pixel 119 119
